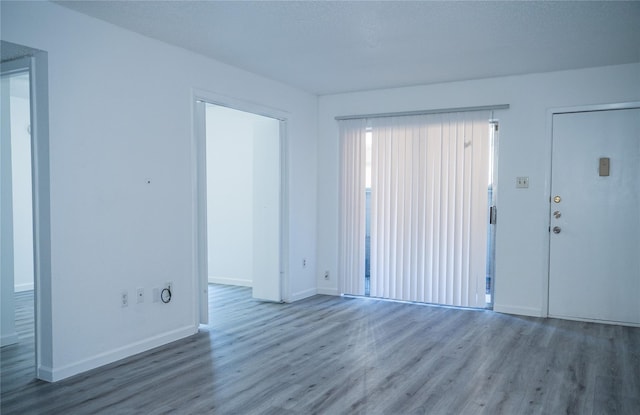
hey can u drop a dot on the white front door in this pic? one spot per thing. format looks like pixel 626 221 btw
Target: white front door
pixel 594 268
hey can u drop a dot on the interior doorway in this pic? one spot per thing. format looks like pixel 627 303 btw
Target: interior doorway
pixel 19 125
pixel 243 200
pixel 240 198
pixel 17 260
pixel 27 69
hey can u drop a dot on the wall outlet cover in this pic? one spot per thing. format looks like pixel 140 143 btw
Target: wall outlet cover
pixel 522 182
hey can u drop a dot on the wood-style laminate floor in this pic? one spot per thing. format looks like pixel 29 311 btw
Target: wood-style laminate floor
pixel 332 355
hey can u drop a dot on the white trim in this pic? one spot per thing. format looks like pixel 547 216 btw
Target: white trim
pixel 590 320
pixel 41 207
pixel 199 213
pixel 423 112
pixel 230 281
pixel 285 284
pixel 238 104
pixel 547 181
pixel 53 375
pixel 328 291
pixel 44 373
pixel 595 107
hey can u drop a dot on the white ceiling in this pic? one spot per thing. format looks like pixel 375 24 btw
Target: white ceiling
pixel 338 46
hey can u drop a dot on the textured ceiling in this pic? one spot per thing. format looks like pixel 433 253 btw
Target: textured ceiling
pixel 329 47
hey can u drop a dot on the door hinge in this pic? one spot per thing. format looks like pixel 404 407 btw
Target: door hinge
pixel 493 215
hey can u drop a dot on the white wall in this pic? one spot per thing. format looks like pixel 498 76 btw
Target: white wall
pixel 524 150
pixel 21 176
pixel 120 112
pixel 230 195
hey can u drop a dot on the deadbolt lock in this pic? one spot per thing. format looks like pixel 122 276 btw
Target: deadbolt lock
pixel 556 229
pixel 557 214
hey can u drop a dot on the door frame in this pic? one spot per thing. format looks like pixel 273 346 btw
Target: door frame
pixel 199 98
pixel 35 62
pixel 549 175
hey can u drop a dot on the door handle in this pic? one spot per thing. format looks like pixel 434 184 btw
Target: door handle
pixel 556 229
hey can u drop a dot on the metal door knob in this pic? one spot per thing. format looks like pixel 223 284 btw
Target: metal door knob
pixel 557 214
pixel 556 229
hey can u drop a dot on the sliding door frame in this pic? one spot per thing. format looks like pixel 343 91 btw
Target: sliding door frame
pixel 491 217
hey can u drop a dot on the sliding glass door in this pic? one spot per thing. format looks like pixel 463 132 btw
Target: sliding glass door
pixel 417 192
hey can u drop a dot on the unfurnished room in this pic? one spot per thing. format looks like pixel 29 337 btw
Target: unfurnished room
pixel 320 207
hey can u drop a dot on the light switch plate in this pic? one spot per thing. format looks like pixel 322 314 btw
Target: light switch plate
pixel 522 182
pixel 603 166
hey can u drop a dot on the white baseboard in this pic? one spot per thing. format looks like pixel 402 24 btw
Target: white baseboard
pixel 230 281
pixel 328 291
pixel 302 294
pixel 55 374
pixel 7 339
pixel 23 287
pixel 521 311
pixel 591 320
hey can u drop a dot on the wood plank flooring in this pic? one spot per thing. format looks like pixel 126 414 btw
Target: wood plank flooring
pixel 332 355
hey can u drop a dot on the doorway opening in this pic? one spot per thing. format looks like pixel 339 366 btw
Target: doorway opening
pixel 19 125
pixel 25 213
pixel 243 203
pixel 17 212
pixel 241 209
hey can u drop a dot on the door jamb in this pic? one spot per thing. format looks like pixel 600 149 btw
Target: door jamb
pixel 550 113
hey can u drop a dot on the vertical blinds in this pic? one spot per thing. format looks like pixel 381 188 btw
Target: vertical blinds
pixel 351 243
pixel 429 201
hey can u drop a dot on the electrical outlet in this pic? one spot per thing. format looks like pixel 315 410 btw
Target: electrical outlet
pixel 522 182
pixel 326 275
pixel 140 295
pixel 124 298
